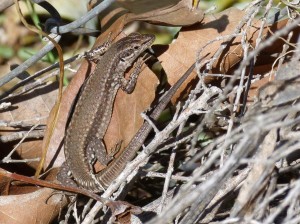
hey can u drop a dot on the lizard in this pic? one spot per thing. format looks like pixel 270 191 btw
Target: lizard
pixel 84 136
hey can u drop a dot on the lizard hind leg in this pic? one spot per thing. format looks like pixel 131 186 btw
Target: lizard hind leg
pixel 114 150
pixel 66 178
pixel 96 151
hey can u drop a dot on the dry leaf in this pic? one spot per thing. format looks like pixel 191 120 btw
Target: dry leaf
pixel 123 210
pixel 181 54
pixel 40 206
pixel 177 13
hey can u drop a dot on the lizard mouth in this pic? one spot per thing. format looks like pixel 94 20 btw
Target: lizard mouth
pixel 148 51
pixel 149 38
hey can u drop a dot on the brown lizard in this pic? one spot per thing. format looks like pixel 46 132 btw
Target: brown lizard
pixel 84 136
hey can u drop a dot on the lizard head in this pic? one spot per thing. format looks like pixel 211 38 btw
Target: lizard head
pixel 132 46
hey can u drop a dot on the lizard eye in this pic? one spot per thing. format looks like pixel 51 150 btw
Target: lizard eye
pixel 126 55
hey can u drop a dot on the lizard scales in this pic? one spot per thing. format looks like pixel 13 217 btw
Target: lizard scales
pixel 92 114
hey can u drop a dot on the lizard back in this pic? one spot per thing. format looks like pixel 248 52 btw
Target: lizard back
pixel 93 110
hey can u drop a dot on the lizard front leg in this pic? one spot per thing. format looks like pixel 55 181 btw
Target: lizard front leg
pixel 128 85
pixel 95 54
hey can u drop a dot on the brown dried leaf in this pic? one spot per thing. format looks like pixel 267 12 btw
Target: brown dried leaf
pixel 265 61
pixel 181 54
pixel 39 206
pixel 123 210
pixel 176 13
pixel 167 12
pixel 4 185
